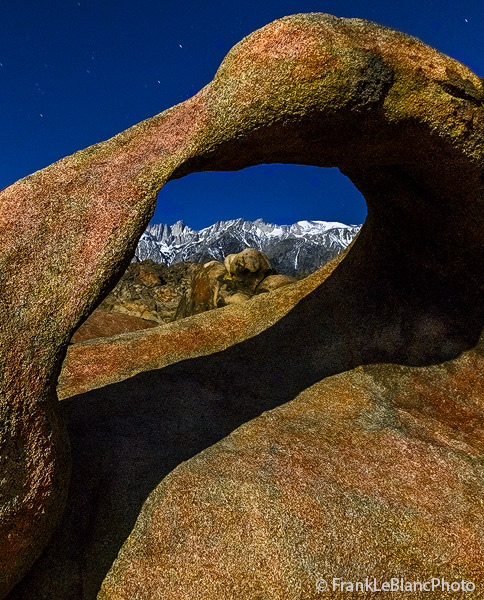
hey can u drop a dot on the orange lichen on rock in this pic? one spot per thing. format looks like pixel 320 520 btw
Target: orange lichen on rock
pixel 329 485
pixel 405 124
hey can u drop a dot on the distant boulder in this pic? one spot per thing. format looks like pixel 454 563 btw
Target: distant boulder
pixel 217 278
pixel 149 277
pixel 199 297
pixel 216 284
pixel 237 298
pixel 248 267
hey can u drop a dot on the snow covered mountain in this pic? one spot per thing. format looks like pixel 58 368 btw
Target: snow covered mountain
pixel 293 249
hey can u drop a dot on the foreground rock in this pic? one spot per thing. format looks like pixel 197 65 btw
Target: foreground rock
pixel 406 125
pixel 130 433
pixel 381 461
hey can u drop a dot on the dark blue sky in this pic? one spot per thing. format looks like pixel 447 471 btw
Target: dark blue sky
pixel 74 73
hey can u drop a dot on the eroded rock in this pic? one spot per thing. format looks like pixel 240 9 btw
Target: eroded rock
pixel 105 324
pixel 151 291
pixel 216 284
pixel 273 282
pixel 406 125
pixel 199 296
pixel 249 267
pixel 381 461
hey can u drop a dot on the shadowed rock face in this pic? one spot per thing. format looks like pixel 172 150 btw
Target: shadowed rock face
pixel 375 470
pixel 404 122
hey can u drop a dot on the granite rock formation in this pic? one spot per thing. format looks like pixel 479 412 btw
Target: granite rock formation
pixel 135 422
pixel 151 291
pixel 250 267
pixel 103 323
pixel 406 125
pixel 374 472
pixel 215 285
pixel 273 282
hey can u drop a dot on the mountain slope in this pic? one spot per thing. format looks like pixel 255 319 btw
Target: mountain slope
pixel 296 249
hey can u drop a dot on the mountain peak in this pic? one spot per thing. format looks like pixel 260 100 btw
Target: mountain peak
pixel 293 249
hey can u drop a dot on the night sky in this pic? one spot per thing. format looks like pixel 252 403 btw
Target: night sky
pixel 74 73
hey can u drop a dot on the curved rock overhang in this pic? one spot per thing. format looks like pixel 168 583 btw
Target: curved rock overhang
pixel 402 121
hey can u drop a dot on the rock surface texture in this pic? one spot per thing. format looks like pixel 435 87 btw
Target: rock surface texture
pixel 103 323
pixel 215 285
pixel 378 466
pixel 377 471
pixel 250 266
pixel 151 292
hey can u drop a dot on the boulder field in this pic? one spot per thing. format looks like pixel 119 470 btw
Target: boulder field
pixel 149 293
pixel 369 461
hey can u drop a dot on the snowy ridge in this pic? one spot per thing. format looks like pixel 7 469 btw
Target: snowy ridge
pixel 293 249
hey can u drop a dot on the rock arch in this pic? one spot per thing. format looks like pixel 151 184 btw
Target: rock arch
pixel 402 121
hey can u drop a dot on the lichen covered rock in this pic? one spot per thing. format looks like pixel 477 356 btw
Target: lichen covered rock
pixel 103 323
pixel 375 472
pixel 406 125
